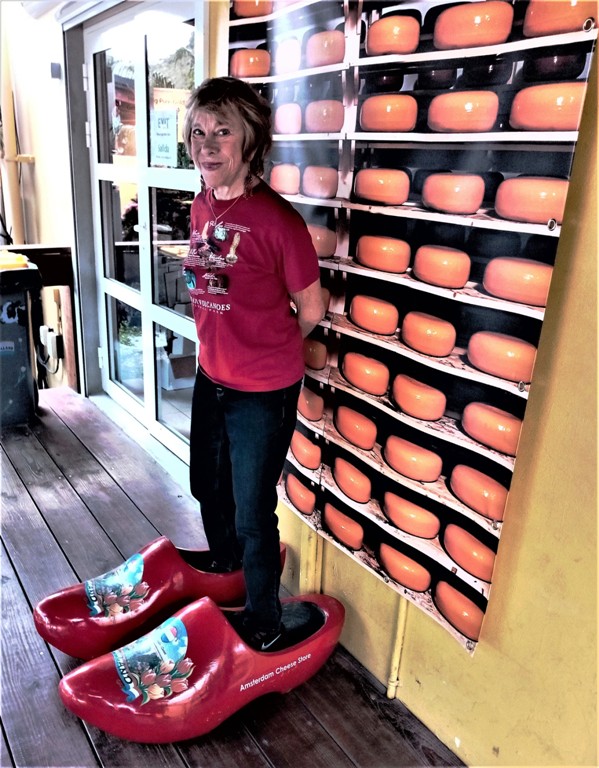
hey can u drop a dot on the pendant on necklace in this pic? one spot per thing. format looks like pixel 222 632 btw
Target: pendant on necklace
pixel 220 233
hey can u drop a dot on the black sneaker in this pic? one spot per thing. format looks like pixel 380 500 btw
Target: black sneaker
pixel 266 641
pixel 260 640
pixel 224 566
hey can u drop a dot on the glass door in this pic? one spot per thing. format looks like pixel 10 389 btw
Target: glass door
pixel 141 65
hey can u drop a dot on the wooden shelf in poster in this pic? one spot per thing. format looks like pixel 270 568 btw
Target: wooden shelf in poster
pixel 515 46
pixel 437 491
pixel 469 294
pixel 430 547
pixel 455 363
pixel 483 218
pixel 366 558
pixel 508 139
pixel 446 428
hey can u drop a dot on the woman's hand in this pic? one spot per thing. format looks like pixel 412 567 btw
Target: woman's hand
pixel 310 307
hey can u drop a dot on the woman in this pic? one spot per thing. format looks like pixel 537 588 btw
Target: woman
pixel 250 254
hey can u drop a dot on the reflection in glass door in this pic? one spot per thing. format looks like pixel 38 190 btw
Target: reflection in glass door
pixel 143 64
pixel 120 227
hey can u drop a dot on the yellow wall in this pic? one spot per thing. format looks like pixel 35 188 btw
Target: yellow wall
pixel 528 694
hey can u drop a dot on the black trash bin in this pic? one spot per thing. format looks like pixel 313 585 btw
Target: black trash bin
pixel 20 309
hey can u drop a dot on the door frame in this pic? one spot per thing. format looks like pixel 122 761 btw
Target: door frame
pixel 93 286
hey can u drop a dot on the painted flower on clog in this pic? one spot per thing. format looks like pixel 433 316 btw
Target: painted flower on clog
pixel 155 666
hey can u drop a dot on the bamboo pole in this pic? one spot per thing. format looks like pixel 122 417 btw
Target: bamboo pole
pixel 9 162
pixel 394 672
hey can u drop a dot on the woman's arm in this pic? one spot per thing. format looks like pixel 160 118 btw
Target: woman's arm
pixel 310 307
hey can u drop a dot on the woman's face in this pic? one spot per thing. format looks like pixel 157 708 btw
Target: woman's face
pixel 216 148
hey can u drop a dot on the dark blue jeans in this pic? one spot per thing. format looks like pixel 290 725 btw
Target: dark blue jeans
pixel 238 444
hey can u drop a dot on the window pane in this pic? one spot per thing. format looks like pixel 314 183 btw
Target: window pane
pixel 125 342
pixel 120 232
pixel 175 373
pixel 171 78
pixel 114 74
pixel 170 226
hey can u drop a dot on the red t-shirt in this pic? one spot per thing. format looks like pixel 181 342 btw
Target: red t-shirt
pixel 240 286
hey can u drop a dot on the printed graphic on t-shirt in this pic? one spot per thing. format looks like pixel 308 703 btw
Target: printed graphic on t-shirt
pixel 205 267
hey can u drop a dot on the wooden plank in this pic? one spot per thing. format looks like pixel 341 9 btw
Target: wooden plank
pixel 344 694
pixel 126 526
pixel 6 760
pixel 43 568
pixel 290 734
pixel 231 744
pixel 35 552
pixel 38 728
pixel 85 544
pixel 174 512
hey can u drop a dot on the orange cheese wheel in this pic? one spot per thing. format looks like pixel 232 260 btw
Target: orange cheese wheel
pixel 410 517
pixel 320 181
pixel 285 179
pixel 248 8
pixel 323 239
pixel 459 610
pixel 344 528
pixel 389 112
pixel 412 460
pixel 325 48
pixel 492 426
pixel 557 17
pixel 310 405
pixel 355 427
pixel 428 334
pixel 250 62
pixel 305 451
pixel 374 315
pixel 454 192
pixel 302 498
pixel 473 24
pixel 441 265
pixel 288 119
pixel 383 185
pixel 550 107
pixel 502 355
pixel 354 484
pixel 389 254
pixel 417 399
pixel 288 56
pixel 516 279
pixel 468 552
pixel 463 111
pixel 404 569
pixel 478 491
pixel 393 34
pixel 365 373
pixel 315 354
pixel 324 116
pixel 532 199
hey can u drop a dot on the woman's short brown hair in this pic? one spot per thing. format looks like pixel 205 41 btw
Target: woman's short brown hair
pixel 221 94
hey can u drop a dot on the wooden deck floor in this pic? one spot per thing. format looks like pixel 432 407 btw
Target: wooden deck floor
pixel 78 497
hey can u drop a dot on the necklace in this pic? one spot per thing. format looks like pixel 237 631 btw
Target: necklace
pixel 220 232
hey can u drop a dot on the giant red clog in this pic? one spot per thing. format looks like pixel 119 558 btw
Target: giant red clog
pixel 89 619
pixel 190 674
